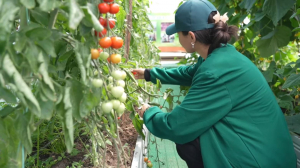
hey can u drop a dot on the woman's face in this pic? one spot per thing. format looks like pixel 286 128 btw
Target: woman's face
pixel 186 41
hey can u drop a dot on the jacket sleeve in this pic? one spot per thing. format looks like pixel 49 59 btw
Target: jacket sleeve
pixel 207 102
pixel 182 75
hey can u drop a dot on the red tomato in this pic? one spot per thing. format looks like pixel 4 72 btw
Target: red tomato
pixel 102 21
pixel 100 50
pixel 102 33
pixel 114 8
pixel 108 0
pixel 105 42
pixel 112 23
pixel 103 7
pixel 117 42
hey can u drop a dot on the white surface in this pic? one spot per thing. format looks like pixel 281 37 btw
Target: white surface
pixel 140 150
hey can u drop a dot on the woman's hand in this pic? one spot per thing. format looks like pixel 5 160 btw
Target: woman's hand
pixel 144 108
pixel 138 73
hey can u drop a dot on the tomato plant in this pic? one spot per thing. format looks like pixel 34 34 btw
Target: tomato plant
pixel 56 89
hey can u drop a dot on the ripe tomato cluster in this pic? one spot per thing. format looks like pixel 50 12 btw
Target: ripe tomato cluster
pixel 148 162
pixel 105 42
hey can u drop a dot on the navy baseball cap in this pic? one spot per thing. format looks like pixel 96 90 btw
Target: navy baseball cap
pixel 192 16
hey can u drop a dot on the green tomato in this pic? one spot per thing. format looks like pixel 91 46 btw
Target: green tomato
pixel 110 86
pixel 95 72
pixel 149 164
pixel 121 83
pixel 97 83
pixel 123 76
pixel 117 74
pixel 116 104
pixel 104 56
pixel 107 107
pixel 121 109
pixel 123 98
pixel 110 79
pixel 117 91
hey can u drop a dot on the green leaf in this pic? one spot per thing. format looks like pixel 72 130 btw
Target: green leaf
pixel 20 42
pixel 129 106
pixel 21 86
pixel 269 73
pixel 47 107
pixel 47 5
pixel 259 16
pixel 121 16
pixel 293 80
pixel 296 29
pixel 247 4
pixel 24 132
pixel 65 113
pixel 90 100
pixel 40 16
pixel 6 111
pixel 286 98
pixel 91 17
pixel 7 95
pixel 7 15
pixel 76 15
pixel 276 9
pixel 138 124
pixel 28 3
pixel 63 59
pixel 48 47
pixel 269 44
pixel 83 60
pixel 30 54
pixel 126 6
pixel 76 97
pixel 39 33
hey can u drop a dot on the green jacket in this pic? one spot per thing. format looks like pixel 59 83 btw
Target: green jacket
pixel 231 107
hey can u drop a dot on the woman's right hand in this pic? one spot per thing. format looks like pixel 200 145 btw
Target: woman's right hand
pixel 138 73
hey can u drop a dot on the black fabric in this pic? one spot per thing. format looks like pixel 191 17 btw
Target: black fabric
pixel 191 153
pixel 147 74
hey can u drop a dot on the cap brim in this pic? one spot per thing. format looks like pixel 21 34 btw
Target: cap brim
pixel 171 29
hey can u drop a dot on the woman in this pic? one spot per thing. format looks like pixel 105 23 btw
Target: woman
pixel 230 117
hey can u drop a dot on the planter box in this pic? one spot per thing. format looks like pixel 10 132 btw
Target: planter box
pixel 296 141
pixel 140 150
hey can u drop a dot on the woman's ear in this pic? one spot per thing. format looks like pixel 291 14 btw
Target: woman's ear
pixel 193 37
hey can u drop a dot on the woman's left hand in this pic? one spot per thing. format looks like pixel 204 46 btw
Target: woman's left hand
pixel 144 108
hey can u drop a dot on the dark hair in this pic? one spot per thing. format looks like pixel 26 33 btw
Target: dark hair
pixel 221 33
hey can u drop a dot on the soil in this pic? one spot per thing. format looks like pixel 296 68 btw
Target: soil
pixel 128 136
